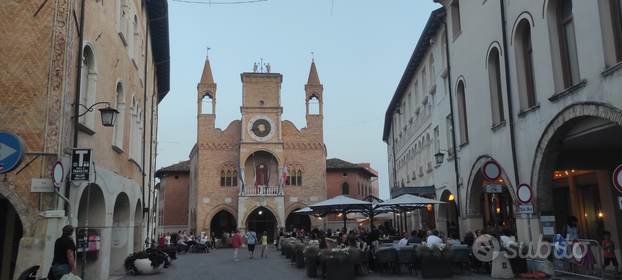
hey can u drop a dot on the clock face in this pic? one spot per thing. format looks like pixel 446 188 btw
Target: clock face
pixel 261 128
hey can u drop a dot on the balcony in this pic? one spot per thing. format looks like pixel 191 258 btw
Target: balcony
pixel 261 190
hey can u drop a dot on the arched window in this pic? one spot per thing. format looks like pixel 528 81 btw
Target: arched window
pixel 294 178
pixel 616 20
pixel 424 82
pixel 136 128
pixel 345 189
pixel 314 105
pixel 432 70
pixel 119 126
pixel 524 63
pixel 135 51
pixel 122 20
pixel 462 113
pixel 222 178
pixel 494 81
pixel 207 104
pixel 234 178
pixel 228 179
pixel 570 61
pixel 88 81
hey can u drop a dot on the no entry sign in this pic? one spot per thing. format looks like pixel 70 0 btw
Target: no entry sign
pixel 617 178
pixel 524 193
pixel 491 170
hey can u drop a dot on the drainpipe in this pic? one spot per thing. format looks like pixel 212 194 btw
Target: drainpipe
pixel 451 108
pixel 509 94
pixel 144 128
pixel 76 108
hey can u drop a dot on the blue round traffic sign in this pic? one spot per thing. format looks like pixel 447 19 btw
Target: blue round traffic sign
pixel 559 246
pixel 12 151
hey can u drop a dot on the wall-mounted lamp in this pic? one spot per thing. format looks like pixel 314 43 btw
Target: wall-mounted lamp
pixel 451 197
pixel 439 156
pixel 429 207
pixel 109 115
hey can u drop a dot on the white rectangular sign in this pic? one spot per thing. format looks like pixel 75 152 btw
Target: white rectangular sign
pixel 525 209
pixel 493 188
pixel 41 186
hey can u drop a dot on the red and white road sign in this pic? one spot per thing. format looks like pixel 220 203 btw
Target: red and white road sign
pixel 491 170
pixel 617 178
pixel 524 193
pixel 577 251
pixel 57 173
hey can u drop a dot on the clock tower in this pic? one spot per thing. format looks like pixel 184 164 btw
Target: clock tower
pixel 260 169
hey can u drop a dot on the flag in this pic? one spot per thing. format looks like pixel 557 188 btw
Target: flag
pixel 240 175
pixel 284 173
pixel 255 178
pixel 269 171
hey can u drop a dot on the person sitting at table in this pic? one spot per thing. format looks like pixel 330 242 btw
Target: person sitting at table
pixel 507 236
pixel 469 238
pixel 433 238
pixel 413 238
pixel 404 241
pixel 453 240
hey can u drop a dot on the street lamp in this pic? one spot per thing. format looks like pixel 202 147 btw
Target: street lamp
pixel 439 157
pixel 109 115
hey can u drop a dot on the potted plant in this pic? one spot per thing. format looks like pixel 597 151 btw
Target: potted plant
pixel 339 262
pixel 311 255
pixel 150 261
pixel 517 255
pixel 282 246
pixel 298 256
pixel 435 261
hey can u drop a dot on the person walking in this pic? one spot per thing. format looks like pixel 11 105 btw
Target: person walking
pixel 264 244
pixel 64 261
pixel 251 237
pixel 236 243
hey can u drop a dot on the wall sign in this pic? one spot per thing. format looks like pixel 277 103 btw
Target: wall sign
pixel 81 164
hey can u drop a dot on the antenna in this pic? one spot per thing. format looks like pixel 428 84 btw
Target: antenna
pixel 208 48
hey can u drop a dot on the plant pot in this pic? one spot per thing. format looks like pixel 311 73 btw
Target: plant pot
pixel 312 267
pixel 300 259
pixel 336 270
pixel 433 268
pixel 519 265
pixel 288 252
pixel 283 249
pixel 143 266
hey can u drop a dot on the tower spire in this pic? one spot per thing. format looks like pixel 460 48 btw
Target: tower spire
pixel 207 78
pixel 314 79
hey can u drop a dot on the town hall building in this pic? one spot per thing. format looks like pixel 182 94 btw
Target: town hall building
pixel 260 169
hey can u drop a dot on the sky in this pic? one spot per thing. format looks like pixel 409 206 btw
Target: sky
pixel 360 47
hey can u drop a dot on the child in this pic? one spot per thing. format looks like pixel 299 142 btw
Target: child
pixel 608 252
pixel 264 244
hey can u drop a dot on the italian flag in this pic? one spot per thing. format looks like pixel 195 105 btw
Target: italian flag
pixel 284 173
pixel 255 178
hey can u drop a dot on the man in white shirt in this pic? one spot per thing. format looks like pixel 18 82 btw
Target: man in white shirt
pixel 404 241
pixel 433 238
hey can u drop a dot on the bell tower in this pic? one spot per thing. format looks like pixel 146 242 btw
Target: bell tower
pixel 206 103
pixel 314 91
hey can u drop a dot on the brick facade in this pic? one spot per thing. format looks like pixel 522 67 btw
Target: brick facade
pixel 173 197
pixel 219 151
pixel 40 46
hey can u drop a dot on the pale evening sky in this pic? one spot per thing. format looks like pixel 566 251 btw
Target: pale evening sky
pixel 361 49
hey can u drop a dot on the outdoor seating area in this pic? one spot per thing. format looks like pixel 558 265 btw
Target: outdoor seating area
pixel 429 262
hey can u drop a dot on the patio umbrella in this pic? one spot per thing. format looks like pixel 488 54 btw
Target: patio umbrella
pixel 341 204
pixel 407 202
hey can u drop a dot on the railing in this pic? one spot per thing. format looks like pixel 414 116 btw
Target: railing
pixel 261 190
